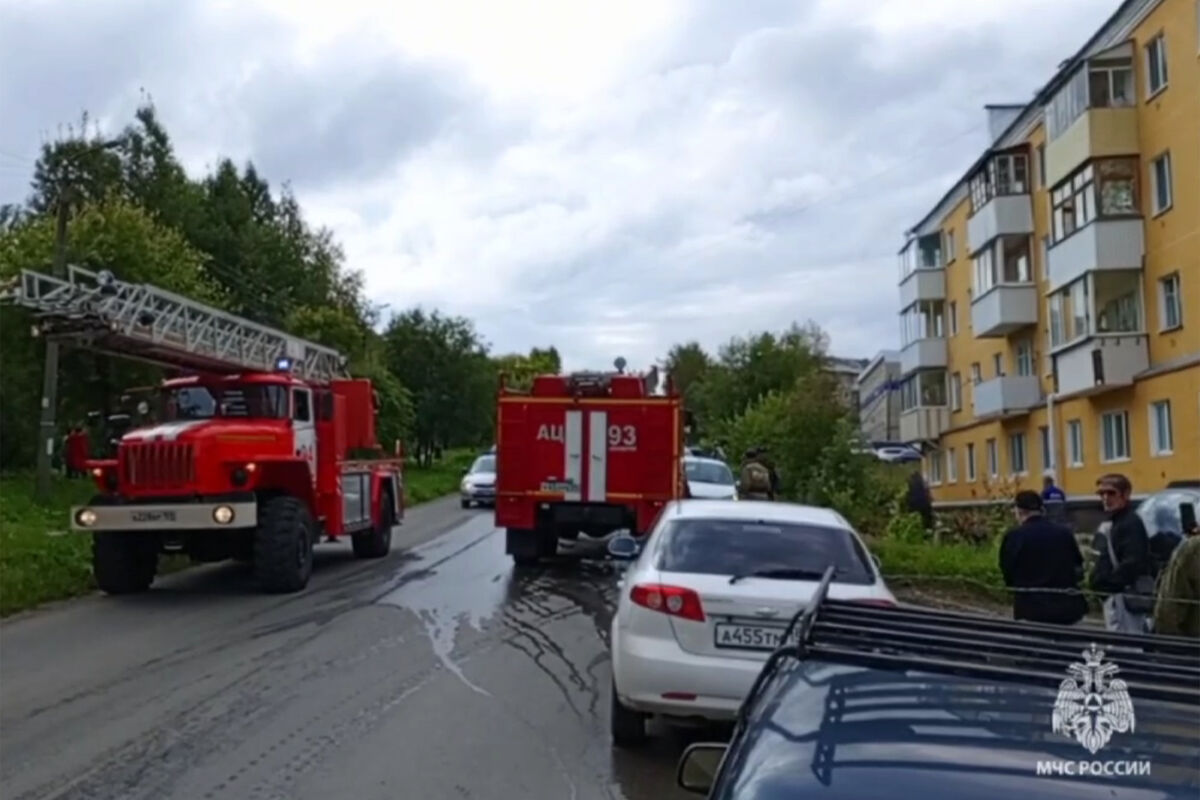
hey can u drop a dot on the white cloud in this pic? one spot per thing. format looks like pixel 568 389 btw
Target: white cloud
pixel 610 178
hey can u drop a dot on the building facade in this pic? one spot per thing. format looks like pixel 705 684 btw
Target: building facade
pixel 879 398
pixel 1050 301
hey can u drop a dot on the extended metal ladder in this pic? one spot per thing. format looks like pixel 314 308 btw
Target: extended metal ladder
pixel 143 322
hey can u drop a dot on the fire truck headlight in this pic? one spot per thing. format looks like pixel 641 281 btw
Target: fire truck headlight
pixel 222 515
pixel 86 517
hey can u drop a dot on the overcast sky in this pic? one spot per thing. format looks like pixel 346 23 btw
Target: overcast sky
pixel 607 177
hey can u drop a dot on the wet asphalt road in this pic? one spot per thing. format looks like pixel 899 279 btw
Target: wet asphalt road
pixel 439 672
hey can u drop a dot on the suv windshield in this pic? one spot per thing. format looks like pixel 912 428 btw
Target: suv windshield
pixel 203 402
pixel 742 547
pixel 484 464
pixel 708 472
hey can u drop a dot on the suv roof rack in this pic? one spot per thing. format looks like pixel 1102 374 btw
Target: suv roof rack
pixel 971 645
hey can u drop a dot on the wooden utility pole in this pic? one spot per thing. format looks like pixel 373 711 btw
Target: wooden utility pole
pixel 46 429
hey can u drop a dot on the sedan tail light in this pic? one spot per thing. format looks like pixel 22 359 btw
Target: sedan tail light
pixel 673 600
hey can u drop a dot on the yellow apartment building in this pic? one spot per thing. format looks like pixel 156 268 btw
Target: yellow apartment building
pixel 1050 301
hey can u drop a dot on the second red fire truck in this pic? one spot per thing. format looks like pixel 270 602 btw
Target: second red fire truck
pixel 580 456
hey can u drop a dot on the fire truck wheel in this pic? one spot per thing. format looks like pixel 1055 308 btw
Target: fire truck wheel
pixel 283 545
pixel 376 542
pixel 124 563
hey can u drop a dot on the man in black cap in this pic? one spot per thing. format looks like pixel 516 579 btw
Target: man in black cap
pixel 1040 554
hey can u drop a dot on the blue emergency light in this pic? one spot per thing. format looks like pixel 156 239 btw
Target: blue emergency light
pixel 283 364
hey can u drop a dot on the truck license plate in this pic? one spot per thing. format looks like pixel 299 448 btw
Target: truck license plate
pixel 152 516
pixel 748 637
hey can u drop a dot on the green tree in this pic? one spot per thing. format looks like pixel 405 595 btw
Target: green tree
pixel 102 235
pixel 447 370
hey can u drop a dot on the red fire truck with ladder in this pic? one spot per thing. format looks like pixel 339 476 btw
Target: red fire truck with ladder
pixel 580 456
pixel 264 442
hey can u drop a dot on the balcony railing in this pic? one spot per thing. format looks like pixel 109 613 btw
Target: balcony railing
pixel 1002 215
pixel 922 284
pixel 1003 309
pixel 1105 244
pixel 924 423
pixel 1007 394
pixel 923 354
pixel 1100 363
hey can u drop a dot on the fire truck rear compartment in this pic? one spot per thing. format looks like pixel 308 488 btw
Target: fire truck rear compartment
pixel 569 520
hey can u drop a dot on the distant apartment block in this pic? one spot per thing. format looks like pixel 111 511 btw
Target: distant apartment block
pixel 1050 301
pixel 879 398
pixel 846 371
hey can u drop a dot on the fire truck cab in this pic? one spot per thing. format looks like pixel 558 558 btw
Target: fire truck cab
pixel 253 466
pixel 581 456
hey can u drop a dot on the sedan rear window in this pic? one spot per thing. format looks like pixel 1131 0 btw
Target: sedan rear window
pixel 742 547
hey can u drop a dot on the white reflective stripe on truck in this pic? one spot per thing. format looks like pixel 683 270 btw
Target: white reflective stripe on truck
pixel 573 455
pixel 597 483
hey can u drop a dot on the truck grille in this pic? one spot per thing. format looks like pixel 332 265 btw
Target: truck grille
pixel 157 465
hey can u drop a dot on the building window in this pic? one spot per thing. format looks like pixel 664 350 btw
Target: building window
pixel 951 250
pixel 1004 174
pixel 952 465
pixel 970 462
pixel 956 391
pixel 1025 357
pixel 924 320
pixel 1075 442
pixel 1044 439
pixel 1016 454
pixel 1156 65
pixel 1057 335
pixel 993 458
pixel 935 467
pixel 1110 84
pixel 952 313
pixel 1080 319
pixel 921 252
pixel 976 374
pixel 998 364
pixel 1041 165
pixel 1105 187
pixel 1114 436
pixel 1169 302
pixel 1162 439
pixel 1160 182
pixel 924 389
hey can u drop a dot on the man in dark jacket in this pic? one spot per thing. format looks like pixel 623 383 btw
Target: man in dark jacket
pixel 918 499
pixel 1040 554
pixel 1131 546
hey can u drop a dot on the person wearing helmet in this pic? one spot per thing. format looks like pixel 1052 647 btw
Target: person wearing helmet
pixel 755 481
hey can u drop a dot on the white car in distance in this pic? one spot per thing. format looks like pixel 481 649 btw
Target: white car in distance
pixel 708 597
pixel 709 478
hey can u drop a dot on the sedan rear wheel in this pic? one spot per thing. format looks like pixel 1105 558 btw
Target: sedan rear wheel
pixel 628 727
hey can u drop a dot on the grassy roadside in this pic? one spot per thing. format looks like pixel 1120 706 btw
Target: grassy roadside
pixel 423 484
pixel 41 561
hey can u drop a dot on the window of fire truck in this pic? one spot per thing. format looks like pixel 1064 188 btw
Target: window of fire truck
pixel 259 401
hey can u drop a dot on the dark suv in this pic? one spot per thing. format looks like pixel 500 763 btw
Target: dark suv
pixel 912 703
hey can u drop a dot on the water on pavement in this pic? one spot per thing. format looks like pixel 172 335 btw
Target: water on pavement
pixel 440 671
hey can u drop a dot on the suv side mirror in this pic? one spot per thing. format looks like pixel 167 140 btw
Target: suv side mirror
pixel 698 767
pixel 623 546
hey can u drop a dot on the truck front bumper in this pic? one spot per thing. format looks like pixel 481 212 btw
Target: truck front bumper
pixel 197 516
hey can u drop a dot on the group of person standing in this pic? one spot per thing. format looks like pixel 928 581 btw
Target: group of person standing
pixel 1042 563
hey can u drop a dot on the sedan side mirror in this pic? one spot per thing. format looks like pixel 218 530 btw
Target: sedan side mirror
pixel 623 547
pixel 698 767
pixel 875 560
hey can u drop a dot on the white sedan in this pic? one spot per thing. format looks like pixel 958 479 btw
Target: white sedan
pixel 709 478
pixel 709 596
